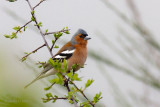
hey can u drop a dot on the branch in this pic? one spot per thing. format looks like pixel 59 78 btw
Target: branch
pixel 53 98
pixel 24 58
pixel 64 31
pixel 82 93
pixel 23 26
pixel 66 83
pixel 53 44
pixel 35 20
pixel 38 4
pixel 56 32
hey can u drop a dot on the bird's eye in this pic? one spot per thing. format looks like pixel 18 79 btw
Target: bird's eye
pixel 82 36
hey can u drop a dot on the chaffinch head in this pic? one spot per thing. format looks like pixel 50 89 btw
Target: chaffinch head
pixel 75 52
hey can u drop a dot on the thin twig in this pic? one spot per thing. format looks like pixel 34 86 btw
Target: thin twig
pixel 35 20
pixel 38 4
pixel 52 85
pixel 23 26
pixel 33 52
pixel 67 86
pixel 55 38
pixel 56 32
pixel 53 45
pixel 53 98
pixel 82 93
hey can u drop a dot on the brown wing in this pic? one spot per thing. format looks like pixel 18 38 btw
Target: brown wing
pixel 65 52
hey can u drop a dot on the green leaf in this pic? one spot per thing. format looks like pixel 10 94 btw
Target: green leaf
pixel 60 34
pixel 33 12
pixel 70 94
pixel 55 80
pixel 67 32
pixel 46 30
pixel 73 76
pixel 51 62
pixel 39 24
pixel 48 95
pixel 70 101
pixel 85 104
pixel 97 97
pixel 32 18
pixel 60 79
pixel 89 82
pixel 55 35
pixel 11 0
pixel 65 66
pixel 17 28
pixel 24 29
pixel 44 100
pixel 23 59
pixel 47 88
pixel 74 66
pixel 76 78
pixel 55 98
pixel 56 64
pixel 25 52
pixel 7 36
pixel 76 100
pixel 13 35
pixel 40 66
pixel 56 46
pixel 70 74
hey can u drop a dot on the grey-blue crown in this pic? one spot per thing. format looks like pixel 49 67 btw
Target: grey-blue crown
pixel 80 31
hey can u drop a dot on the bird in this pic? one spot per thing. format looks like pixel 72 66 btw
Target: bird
pixel 74 52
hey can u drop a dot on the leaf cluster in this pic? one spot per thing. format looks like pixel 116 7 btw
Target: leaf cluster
pixel 67 79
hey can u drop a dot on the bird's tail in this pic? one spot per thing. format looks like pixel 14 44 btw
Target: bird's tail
pixel 37 78
pixel 42 75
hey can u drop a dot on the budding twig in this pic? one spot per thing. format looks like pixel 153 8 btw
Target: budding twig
pixel 81 93
pixel 23 58
pixel 38 4
pixel 35 20
pixel 52 98
pixel 23 26
pixel 48 33
pixel 53 44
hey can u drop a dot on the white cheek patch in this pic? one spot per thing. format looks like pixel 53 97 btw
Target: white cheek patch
pixel 68 51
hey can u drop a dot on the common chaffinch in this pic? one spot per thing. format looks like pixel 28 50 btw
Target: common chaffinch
pixel 74 52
